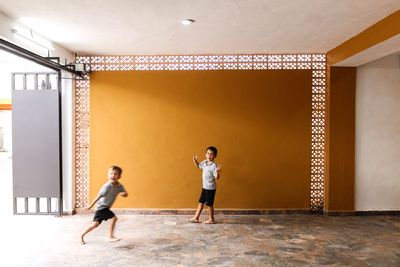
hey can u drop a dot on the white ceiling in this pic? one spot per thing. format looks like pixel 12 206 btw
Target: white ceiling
pixel 152 27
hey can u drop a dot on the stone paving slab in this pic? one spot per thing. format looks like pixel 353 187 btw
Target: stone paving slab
pixel 158 240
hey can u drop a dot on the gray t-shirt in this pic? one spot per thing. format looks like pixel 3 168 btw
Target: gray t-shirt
pixel 108 193
pixel 209 174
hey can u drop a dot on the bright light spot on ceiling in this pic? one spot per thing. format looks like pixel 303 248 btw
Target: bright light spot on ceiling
pixel 187 21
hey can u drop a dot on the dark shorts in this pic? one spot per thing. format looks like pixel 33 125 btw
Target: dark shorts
pixel 103 215
pixel 207 197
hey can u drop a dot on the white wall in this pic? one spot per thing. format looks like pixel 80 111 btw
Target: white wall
pixel 67 136
pixel 377 181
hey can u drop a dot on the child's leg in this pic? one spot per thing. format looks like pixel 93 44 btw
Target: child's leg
pixel 111 236
pixel 88 229
pixel 198 212
pixel 210 215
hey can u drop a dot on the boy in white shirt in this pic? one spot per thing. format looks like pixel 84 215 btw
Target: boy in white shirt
pixel 211 173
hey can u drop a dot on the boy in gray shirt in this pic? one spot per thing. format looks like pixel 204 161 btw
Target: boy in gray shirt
pixel 104 201
pixel 211 173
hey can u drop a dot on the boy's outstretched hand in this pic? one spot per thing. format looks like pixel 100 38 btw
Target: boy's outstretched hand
pixel 123 194
pixel 196 160
pixel 219 167
pixel 218 170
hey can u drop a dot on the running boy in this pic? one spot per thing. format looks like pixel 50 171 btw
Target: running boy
pixel 104 200
pixel 211 173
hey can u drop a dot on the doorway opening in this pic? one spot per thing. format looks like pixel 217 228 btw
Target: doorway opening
pixel 18 73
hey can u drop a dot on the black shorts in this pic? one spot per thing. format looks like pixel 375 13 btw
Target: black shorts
pixel 103 215
pixel 207 197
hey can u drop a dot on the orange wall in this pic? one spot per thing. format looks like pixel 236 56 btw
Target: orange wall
pixel 152 123
pixel 341 139
pixel 5 104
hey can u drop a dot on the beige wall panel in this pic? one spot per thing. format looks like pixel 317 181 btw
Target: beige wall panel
pixel 378 135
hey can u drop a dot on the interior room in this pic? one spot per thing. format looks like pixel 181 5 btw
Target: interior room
pixel 200 133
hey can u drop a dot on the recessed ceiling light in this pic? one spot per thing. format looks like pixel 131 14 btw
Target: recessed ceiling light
pixel 187 21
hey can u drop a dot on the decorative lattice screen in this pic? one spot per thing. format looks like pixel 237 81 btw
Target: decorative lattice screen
pixel 314 62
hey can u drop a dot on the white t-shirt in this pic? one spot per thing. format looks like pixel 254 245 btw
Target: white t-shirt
pixel 209 174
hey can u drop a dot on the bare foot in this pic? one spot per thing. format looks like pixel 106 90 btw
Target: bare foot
pixel 113 239
pixel 194 220
pixel 209 222
pixel 82 241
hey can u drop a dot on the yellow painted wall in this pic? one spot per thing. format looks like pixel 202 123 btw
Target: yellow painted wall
pixel 341 157
pixel 152 123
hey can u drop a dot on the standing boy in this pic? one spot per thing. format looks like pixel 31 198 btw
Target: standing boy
pixel 104 200
pixel 211 173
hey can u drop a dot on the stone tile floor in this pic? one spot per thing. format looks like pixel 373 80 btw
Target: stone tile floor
pixel 160 240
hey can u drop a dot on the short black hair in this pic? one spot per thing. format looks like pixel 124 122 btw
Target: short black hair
pixel 213 149
pixel 117 169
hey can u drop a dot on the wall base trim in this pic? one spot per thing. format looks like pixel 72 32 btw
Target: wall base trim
pixel 339 212
pixel 362 213
pixel 216 211
pixel 378 212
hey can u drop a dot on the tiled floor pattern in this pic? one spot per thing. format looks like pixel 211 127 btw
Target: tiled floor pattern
pixel 160 240
pixel 156 240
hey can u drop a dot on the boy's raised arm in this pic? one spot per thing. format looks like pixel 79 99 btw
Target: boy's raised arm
pixel 196 161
